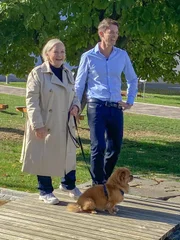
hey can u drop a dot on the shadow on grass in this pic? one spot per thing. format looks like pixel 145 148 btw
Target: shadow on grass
pixel 145 157
pixel 164 97
pixel 12 130
pixel 10 113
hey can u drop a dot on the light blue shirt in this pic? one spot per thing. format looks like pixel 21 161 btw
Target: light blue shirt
pixel 103 75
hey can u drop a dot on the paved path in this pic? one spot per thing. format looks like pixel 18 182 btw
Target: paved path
pixel 167 190
pixel 12 90
pixel 138 108
pixel 155 110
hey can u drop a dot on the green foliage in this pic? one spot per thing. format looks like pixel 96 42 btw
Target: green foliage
pixel 149 31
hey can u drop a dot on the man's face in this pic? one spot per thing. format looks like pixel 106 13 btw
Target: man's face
pixel 110 35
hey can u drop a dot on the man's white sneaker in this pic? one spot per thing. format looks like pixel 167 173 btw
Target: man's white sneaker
pixel 74 193
pixel 49 198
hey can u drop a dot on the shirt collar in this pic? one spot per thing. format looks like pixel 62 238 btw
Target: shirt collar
pixel 96 48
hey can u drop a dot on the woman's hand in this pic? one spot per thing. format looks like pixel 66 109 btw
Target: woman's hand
pixel 74 111
pixel 41 133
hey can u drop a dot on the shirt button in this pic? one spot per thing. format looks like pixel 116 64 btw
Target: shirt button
pixel 48 130
pixel 50 110
pixel 50 90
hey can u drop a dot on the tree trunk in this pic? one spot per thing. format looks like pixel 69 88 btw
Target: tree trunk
pixel 7 79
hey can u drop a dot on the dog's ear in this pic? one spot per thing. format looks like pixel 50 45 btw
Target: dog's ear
pixel 122 176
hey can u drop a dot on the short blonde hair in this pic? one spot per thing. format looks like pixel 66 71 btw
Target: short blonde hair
pixel 105 23
pixel 48 46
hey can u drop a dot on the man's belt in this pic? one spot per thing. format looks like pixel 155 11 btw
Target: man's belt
pixel 104 103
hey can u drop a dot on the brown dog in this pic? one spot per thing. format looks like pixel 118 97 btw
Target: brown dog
pixel 104 197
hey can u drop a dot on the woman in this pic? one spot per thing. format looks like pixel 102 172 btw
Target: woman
pixel 48 149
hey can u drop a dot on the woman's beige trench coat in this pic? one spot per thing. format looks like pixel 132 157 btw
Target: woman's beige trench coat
pixel 48 101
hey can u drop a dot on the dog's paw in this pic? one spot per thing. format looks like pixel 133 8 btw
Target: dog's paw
pixel 112 212
pixel 115 209
pixel 93 212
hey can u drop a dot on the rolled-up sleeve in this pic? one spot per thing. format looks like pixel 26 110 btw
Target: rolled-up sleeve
pixel 132 80
pixel 81 77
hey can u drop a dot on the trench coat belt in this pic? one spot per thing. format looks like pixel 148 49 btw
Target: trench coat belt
pixel 104 103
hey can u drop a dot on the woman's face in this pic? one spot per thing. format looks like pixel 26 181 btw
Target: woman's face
pixel 56 55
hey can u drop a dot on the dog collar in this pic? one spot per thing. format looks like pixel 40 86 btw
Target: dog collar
pixel 121 191
pixel 105 191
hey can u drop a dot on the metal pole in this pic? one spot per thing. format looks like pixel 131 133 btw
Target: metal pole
pixel 144 88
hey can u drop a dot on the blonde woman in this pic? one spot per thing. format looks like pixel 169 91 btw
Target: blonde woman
pixel 48 149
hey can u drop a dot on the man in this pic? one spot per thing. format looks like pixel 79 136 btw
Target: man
pixel 99 74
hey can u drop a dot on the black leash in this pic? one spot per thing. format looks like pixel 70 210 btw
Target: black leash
pixel 81 146
pixel 105 191
pixel 75 141
pixel 78 142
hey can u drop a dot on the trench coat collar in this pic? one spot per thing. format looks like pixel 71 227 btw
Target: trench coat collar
pixel 45 68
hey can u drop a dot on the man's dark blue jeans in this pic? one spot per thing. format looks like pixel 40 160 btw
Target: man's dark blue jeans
pixel 106 134
pixel 45 182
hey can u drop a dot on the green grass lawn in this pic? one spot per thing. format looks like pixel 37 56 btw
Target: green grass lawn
pixel 151 147
pixel 161 99
pixel 170 98
pixel 14 84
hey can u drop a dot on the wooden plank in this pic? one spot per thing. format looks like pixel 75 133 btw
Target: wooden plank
pixel 49 232
pixel 16 234
pixel 138 219
pixel 81 116
pixel 21 109
pixel 7 237
pixel 167 215
pixel 77 224
pixel 31 232
pixel 3 107
pixel 126 214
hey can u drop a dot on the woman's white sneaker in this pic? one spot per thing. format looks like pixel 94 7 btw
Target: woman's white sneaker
pixel 49 198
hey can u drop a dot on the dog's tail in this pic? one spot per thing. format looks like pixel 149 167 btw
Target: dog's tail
pixel 74 207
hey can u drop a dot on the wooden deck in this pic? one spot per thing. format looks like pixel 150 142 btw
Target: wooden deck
pixel 138 218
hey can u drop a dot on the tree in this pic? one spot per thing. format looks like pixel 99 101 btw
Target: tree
pixel 149 31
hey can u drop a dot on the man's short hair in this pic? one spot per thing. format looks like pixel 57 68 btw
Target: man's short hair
pixel 105 23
